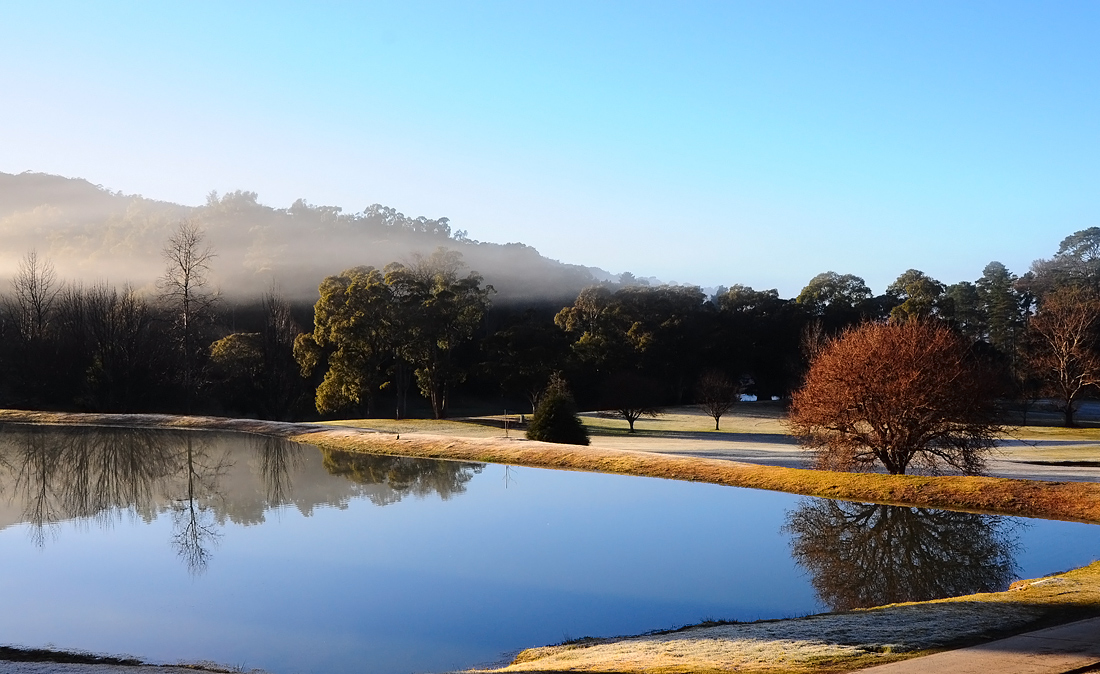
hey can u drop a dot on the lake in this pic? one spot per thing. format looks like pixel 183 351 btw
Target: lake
pixel 255 552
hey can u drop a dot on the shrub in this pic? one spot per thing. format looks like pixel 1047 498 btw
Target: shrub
pixel 556 420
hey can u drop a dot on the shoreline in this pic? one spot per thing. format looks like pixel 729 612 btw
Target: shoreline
pixel 829 642
pixel 1066 501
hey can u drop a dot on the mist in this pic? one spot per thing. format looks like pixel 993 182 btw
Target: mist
pixel 91 235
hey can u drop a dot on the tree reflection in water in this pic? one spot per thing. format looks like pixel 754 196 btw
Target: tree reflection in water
pixel 100 474
pixel 860 555
pixel 61 475
pixel 403 475
pixel 277 457
pixel 194 526
pixel 55 474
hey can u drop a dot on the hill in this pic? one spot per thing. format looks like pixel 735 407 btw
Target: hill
pixel 93 234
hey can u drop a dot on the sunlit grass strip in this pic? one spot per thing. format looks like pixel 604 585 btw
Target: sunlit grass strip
pixel 1070 501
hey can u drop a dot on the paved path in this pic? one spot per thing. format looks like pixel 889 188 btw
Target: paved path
pixel 1056 650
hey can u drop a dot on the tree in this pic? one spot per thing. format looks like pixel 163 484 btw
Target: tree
pixel 919 296
pixel 896 394
pixel 1064 347
pixel 184 289
pixel 368 324
pixel 966 309
pixel 236 371
pixel 717 394
pixel 35 289
pixel 437 311
pixel 1001 306
pixel 1077 262
pixel 114 346
pixel 31 312
pixel 632 396
pixel 354 336
pixel 655 330
pixel 522 356
pixel 555 419
pixel 830 290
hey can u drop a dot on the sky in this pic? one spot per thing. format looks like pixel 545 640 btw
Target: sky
pixel 709 143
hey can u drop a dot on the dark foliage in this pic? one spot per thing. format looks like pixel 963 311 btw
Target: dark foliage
pixel 556 420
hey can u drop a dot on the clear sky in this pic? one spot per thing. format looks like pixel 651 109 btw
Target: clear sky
pixel 711 143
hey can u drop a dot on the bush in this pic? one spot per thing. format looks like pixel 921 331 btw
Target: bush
pixel 556 420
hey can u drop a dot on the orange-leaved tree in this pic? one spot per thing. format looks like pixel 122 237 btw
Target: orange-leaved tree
pixel 899 395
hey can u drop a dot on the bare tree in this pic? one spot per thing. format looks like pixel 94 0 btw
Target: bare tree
pixel 1064 343
pixel 282 379
pixel 184 289
pixel 717 394
pixel 896 394
pixel 632 396
pixel 34 292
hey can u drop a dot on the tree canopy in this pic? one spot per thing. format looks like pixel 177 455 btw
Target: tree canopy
pixel 369 323
pixel 897 395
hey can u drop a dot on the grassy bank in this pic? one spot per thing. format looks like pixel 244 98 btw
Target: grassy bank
pixel 1071 501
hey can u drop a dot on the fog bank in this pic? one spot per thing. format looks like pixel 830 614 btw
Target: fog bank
pixel 92 234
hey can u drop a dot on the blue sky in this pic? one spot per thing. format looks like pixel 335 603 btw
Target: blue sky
pixel 711 143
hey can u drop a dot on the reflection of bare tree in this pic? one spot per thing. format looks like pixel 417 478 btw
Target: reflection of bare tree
pixel 35 463
pixel 103 473
pixel 67 473
pixel 194 527
pixel 863 555
pixel 64 474
pixel 277 458
pixel 403 475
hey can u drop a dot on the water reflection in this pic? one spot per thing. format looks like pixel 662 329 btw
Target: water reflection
pixel 64 475
pixel 194 527
pixel 861 555
pixel 202 480
pixel 277 458
pixel 403 475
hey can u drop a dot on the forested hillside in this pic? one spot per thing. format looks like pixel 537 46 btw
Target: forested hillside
pixel 92 234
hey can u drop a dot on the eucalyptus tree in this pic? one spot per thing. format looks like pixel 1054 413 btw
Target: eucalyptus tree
pixel 437 310
pixel 354 338
pixel 918 295
pixel 368 324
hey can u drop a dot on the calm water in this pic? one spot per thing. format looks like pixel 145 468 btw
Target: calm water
pixel 259 553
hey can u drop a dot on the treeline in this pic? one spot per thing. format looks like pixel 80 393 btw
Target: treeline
pixel 414 338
